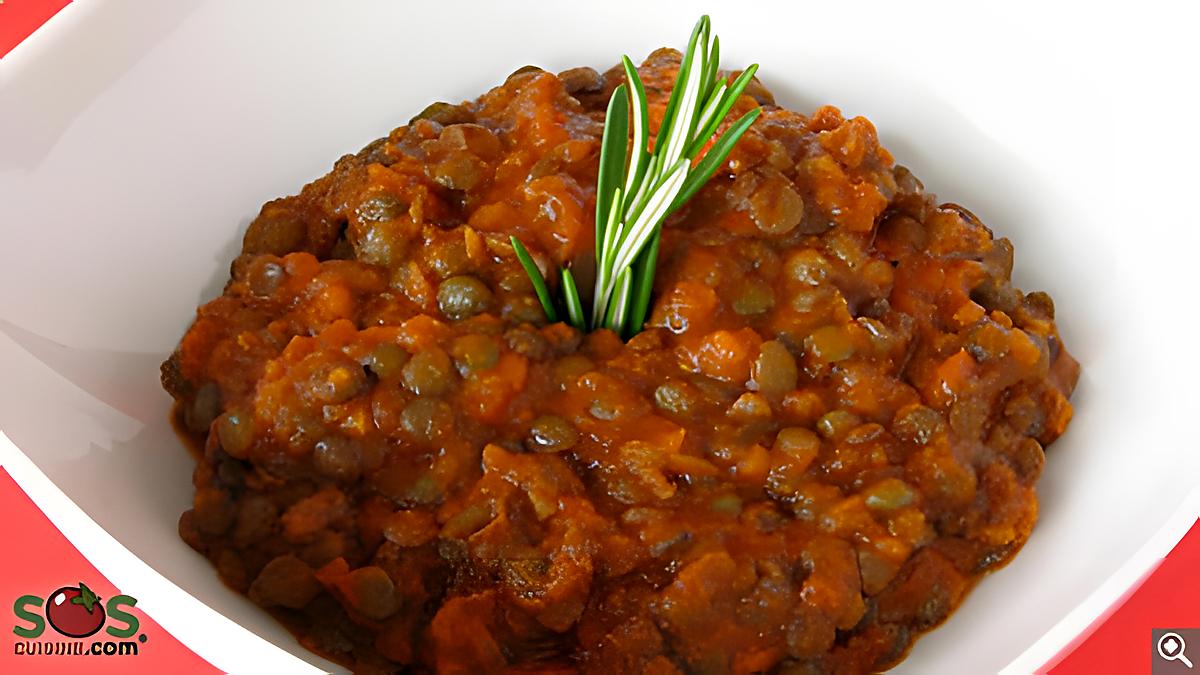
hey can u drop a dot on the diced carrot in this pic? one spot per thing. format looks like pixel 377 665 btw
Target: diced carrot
pixel 423 332
pixel 687 306
pixel 956 373
pixel 726 355
pixel 752 467
pixel 693 467
pixel 967 313
pixel 1024 349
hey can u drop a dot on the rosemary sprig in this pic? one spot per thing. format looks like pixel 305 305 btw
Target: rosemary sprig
pixel 535 275
pixel 639 185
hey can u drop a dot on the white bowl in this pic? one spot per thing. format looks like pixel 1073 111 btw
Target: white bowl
pixel 136 142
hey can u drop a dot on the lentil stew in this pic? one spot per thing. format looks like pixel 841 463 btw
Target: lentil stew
pixel 831 427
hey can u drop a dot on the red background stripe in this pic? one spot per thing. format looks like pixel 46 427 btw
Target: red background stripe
pixel 38 559
pixel 19 18
pixel 1120 642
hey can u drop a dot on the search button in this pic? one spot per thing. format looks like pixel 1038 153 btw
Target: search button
pixel 1171 647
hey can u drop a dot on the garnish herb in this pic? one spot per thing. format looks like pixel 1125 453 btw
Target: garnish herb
pixel 640 184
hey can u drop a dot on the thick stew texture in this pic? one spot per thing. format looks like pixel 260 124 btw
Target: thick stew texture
pixel 830 428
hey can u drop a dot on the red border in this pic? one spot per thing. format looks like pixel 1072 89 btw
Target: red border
pixel 38 559
pixel 1120 642
pixel 20 18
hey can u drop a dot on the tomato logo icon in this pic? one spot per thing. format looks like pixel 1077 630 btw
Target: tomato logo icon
pixel 75 611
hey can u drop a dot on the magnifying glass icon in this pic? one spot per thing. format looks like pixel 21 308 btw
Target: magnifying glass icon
pixel 1171 646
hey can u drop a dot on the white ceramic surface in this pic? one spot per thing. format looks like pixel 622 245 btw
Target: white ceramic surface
pixel 138 139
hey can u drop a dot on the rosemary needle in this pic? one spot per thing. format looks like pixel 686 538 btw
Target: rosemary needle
pixel 639 185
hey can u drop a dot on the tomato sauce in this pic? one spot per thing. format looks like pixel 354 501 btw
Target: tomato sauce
pixel 831 427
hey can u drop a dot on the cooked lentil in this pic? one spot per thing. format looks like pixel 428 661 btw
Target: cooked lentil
pixel 832 426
